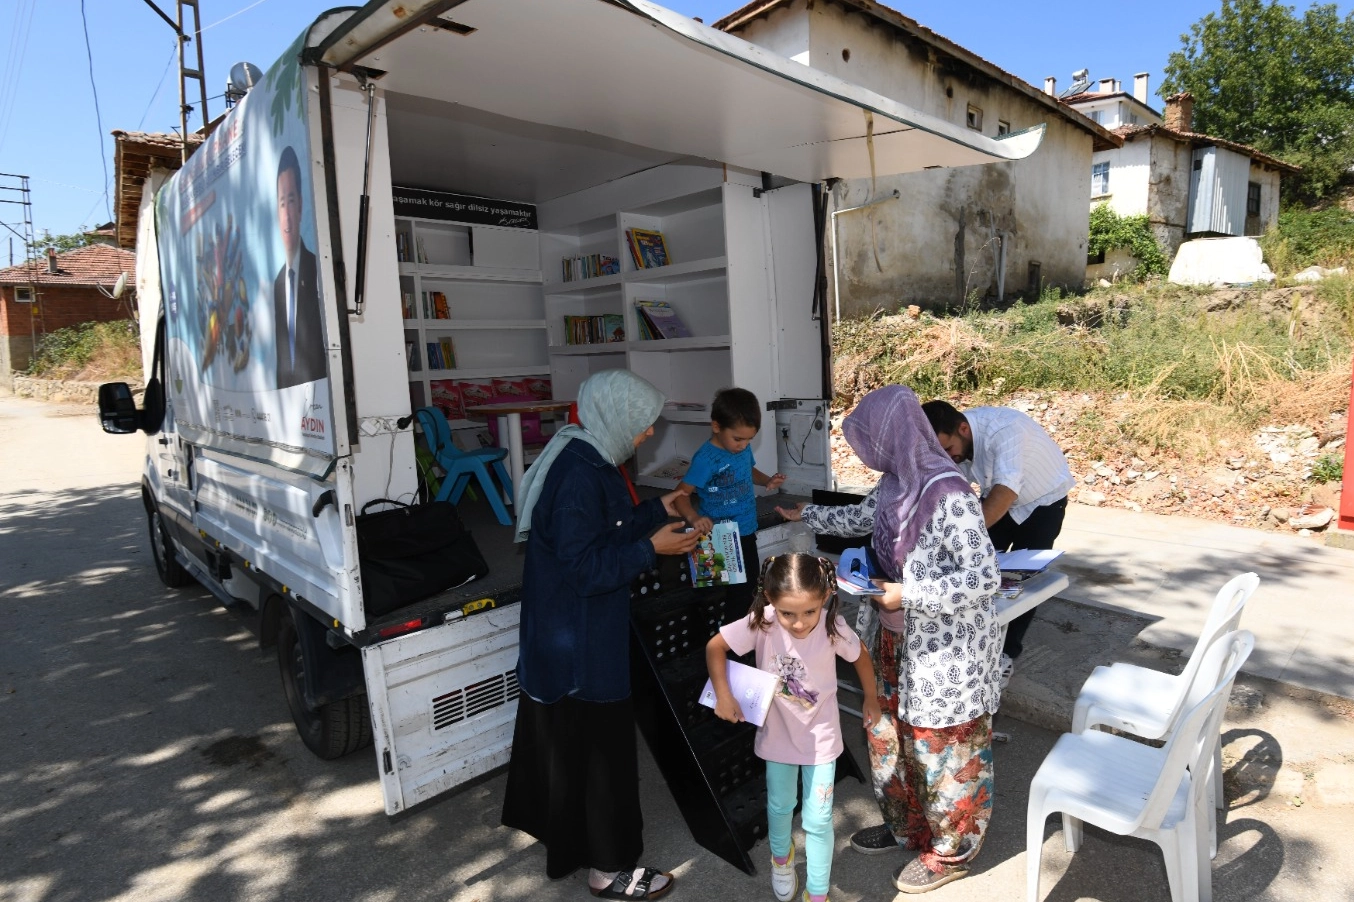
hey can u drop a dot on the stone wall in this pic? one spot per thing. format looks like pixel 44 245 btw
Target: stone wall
pixel 63 391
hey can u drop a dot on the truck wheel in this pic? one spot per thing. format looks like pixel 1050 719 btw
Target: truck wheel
pixel 336 729
pixel 171 572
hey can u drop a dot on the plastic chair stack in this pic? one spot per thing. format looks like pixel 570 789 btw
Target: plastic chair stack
pixel 1149 703
pixel 1132 789
pixel 460 465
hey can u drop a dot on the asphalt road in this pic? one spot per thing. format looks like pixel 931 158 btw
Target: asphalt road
pixel 147 753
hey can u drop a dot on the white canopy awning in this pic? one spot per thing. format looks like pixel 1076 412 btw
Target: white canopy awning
pixel 635 72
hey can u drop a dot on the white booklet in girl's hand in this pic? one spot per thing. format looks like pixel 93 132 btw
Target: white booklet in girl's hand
pixel 753 689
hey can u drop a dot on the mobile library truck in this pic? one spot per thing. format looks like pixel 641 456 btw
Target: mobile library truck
pixel 413 205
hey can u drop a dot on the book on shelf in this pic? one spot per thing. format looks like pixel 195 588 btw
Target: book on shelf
pixel 589 266
pixel 441 309
pixel 407 305
pixel 647 247
pixel 422 251
pixel 591 330
pixel 411 353
pixel 402 248
pixel 674 468
pixel 448 352
pixel 660 320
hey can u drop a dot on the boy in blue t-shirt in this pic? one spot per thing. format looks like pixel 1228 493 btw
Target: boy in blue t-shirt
pixel 723 475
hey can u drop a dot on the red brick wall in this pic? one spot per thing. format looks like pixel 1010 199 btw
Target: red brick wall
pixel 61 306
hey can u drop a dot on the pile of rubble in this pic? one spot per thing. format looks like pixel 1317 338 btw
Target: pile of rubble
pixel 1266 484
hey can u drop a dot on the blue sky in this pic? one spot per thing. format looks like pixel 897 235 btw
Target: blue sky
pixel 49 130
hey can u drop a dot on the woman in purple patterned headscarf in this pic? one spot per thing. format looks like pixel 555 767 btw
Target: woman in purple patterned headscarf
pixel 935 663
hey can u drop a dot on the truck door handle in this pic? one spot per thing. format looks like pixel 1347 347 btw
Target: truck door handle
pixel 325 499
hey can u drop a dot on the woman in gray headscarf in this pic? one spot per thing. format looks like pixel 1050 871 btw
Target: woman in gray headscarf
pixel 935 662
pixel 573 782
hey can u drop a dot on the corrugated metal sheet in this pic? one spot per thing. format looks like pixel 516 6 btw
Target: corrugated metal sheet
pixel 1217 187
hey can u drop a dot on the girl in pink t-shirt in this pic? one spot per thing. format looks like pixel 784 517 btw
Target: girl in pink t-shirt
pixel 794 626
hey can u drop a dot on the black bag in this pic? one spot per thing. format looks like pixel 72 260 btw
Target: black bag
pixel 410 553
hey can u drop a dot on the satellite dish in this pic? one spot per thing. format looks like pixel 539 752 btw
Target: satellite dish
pixel 243 76
pixel 120 285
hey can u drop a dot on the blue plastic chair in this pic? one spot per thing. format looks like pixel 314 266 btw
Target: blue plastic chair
pixel 461 465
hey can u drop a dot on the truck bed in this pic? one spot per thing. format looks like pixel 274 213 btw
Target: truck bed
pixel 505 559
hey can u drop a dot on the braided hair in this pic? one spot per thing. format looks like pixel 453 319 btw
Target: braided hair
pixel 797 571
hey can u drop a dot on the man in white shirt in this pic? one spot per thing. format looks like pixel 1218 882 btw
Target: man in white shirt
pixel 1022 476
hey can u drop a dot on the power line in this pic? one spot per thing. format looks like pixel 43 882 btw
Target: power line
pixel 172 53
pixel 9 88
pixel 234 14
pixel 98 117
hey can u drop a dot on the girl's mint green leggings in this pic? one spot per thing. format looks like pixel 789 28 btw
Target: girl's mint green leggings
pixel 815 816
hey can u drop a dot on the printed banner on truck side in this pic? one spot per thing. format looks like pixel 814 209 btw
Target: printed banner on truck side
pixel 242 288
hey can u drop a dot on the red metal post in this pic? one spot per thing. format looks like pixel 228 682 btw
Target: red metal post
pixel 1346 520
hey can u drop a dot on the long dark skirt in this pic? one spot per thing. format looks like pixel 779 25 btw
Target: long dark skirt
pixel 573 783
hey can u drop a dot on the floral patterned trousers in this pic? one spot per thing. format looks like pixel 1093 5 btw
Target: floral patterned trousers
pixel 934 786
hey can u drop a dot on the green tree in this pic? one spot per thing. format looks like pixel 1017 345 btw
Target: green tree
pixel 62 243
pixel 1262 76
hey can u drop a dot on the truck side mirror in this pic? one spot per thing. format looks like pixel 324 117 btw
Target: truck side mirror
pixel 117 410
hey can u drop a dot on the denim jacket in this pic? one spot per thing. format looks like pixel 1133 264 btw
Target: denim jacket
pixel 588 542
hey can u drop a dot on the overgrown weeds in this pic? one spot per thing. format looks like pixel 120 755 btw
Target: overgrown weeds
pixel 1176 376
pixel 90 352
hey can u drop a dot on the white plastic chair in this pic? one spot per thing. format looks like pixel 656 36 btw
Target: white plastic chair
pixel 1147 702
pixel 1132 789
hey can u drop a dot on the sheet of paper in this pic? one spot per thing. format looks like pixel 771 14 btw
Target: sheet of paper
pixel 1027 559
pixel 753 689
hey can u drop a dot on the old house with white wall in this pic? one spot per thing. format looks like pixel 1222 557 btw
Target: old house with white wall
pixel 1189 185
pixel 993 231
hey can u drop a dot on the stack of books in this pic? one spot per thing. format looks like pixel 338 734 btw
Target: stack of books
pixel 657 319
pixel 589 267
pixel 647 247
pixel 591 330
pixel 441 354
pixel 435 305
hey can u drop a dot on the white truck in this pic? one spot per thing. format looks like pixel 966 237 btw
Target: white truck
pixel 455 178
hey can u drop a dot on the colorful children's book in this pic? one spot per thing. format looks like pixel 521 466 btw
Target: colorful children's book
pixel 648 248
pixel 718 558
pixel 441 310
pixel 662 320
pixel 753 689
pixel 448 353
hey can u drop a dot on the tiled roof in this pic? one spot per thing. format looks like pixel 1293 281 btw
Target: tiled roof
pixel 97 264
pixel 1103 139
pixel 136 154
pixel 1093 96
pixel 1132 132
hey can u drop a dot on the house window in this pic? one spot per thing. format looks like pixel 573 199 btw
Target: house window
pixel 1097 116
pixel 1253 199
pixel 1100 179
pixel 23 295
pixel 975 118
pixel 1003 127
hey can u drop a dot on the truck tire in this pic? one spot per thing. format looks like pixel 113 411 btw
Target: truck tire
pixel 171 572
pixel 334 730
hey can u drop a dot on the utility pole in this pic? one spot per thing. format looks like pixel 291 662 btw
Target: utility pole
pixel 185 72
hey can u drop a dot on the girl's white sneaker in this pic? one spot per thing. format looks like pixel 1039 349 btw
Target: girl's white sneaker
pixel 784 882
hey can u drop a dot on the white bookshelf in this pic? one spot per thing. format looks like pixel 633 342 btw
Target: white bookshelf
pixel 491 279
pixel 713 226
